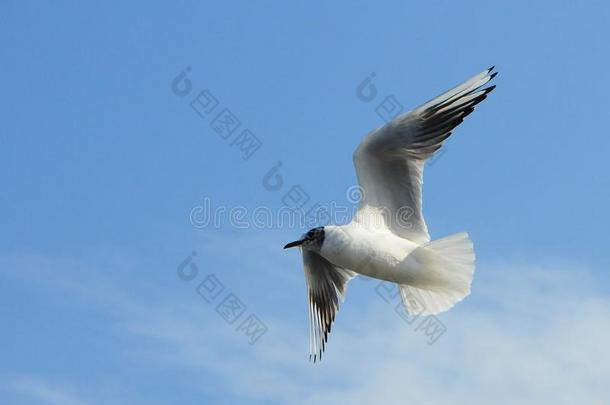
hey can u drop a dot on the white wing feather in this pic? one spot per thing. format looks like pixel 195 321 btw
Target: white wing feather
pixel 326 286
pixel 390 160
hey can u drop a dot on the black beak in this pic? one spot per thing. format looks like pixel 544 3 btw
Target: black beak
pixel 294 244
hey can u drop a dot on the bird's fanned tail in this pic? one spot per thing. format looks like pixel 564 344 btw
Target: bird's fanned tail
pixel 447 269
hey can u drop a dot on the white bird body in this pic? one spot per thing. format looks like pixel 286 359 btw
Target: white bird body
pixel 388 238
pixel 439 267
pixel 376 253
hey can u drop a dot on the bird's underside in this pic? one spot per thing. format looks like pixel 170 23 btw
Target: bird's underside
pixel 389 164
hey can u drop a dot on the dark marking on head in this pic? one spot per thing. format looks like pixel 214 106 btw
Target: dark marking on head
pixel 314 237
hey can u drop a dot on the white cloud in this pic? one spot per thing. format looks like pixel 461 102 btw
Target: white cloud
pixel 40 390
pixel 527 334
pixel 542 339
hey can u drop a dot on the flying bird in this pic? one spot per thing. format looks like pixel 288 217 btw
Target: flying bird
pixel 388 238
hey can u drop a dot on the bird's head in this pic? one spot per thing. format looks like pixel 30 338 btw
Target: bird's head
pixel 312 240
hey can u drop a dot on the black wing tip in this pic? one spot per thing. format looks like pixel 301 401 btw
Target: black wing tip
pixel 317 357
pixel 491 68
pixel 491 76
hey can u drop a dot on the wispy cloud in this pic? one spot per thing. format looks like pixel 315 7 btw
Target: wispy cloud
pixel 41 391
pixel 528 334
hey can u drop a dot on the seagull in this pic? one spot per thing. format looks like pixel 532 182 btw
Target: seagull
pixel 388 238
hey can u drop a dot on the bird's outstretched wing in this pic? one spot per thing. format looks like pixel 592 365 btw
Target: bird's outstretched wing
pixel 390 160
pixel 326 286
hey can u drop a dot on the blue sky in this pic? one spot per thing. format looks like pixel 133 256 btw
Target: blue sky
pixel 102 163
